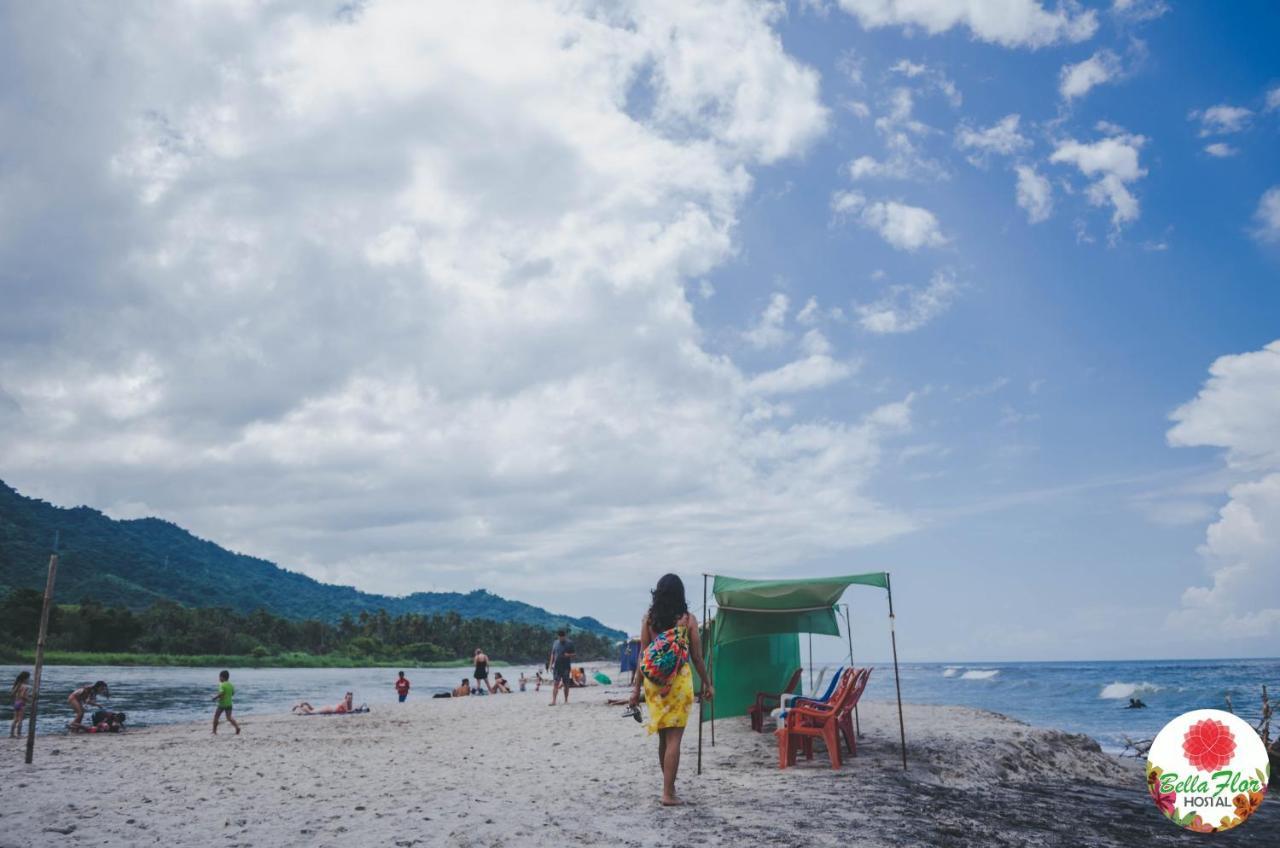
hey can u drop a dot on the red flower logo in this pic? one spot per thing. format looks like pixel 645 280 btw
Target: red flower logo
pixel 1208 745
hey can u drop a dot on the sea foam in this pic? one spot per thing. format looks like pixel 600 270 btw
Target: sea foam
pixel 1122 691
pixel 980 674
pixel 950 671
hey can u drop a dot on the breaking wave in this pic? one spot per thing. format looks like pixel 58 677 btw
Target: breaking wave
pixel 1124 691
pixel 980 674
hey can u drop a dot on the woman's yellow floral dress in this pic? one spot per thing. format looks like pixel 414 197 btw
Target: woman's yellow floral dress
pixel 670 709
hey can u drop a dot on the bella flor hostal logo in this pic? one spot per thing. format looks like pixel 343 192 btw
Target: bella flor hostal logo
pixel 1207 771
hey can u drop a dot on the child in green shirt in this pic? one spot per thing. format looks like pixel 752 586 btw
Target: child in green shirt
pixel 225 692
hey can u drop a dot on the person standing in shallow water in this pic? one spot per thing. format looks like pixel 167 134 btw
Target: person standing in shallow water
pixel 669 634
pixel 402 687
pixel 482 670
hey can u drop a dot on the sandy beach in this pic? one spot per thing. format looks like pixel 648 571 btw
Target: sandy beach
pixel 511 770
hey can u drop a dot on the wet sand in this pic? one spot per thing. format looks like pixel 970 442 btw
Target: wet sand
pixel 510 770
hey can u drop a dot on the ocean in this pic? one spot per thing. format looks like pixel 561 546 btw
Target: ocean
pixel 1088 697
pixel 1080 697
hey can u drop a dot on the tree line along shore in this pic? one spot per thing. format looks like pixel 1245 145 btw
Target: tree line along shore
pixel 167 633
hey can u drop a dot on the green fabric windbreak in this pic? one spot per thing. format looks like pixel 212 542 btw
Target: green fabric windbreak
pixel 741 669
pixel 741 624
pixel 750 608
pixel 733 592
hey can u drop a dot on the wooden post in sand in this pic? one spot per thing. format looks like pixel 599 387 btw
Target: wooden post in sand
pixel 893 638
pixel 39 666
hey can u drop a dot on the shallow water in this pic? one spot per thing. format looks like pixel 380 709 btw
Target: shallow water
pixel 163 695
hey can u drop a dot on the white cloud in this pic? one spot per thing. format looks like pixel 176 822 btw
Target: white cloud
pixel 1267 215
pixel 906 308
pixel 1034 193
pixel 932 78
pixel 1001 138
pixel 1139 10
pixel 900 130
pixel 857 108
pixel 1273 99
pixel 1220 150
pixel 426 263
pixel 1237 409
pixel 808 314
pixel 902 226
pixel 815 371
pixel 1013 23
pixel 770 330
pixel 1076 80
pixel 1112 163
pixel 1222 119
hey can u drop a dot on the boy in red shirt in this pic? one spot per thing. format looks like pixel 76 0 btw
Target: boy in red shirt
pixel 402 687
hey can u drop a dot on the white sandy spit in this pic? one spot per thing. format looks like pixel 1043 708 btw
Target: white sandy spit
pixel 510 770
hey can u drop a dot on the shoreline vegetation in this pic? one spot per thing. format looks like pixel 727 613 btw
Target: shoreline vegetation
pixel 169 634
pixel 288 660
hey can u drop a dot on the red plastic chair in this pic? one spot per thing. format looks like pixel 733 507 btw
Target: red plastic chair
pixel 845 718
pixel 806 721
pixel 766 701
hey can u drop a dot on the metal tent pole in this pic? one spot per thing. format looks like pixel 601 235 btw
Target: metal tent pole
pixel 704 624
pixel 811 663
pixel 40 639
pixel 897 684
pixel 848 630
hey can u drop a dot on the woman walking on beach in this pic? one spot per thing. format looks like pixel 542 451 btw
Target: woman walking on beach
pixel 21 693
pixel 670 633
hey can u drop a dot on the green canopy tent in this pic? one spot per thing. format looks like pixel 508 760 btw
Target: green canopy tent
pixel 754 638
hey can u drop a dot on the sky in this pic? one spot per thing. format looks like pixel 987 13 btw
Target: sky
pixel 553 298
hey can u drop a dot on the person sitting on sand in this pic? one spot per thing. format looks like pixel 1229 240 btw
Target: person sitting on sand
pixel 104 721
pixel 85 696
pixel 500 684
pixel 21 693
pixel 463 690
pixel 669 633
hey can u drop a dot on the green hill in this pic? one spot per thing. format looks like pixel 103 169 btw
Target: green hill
pixel 134 563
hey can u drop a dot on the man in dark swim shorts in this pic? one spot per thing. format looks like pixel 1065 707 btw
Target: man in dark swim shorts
pixel 561 663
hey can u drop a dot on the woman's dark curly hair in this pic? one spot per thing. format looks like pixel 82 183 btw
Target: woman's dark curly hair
pixel 669 604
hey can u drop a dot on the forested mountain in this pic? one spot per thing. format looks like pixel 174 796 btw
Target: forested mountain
pixel 133 564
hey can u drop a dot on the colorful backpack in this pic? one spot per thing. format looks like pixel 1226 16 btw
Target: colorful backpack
pixel 663 658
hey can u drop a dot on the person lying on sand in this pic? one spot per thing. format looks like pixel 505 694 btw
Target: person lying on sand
pixel 463 690
pixel 85 696
pixel 343 706
pixel 107 722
